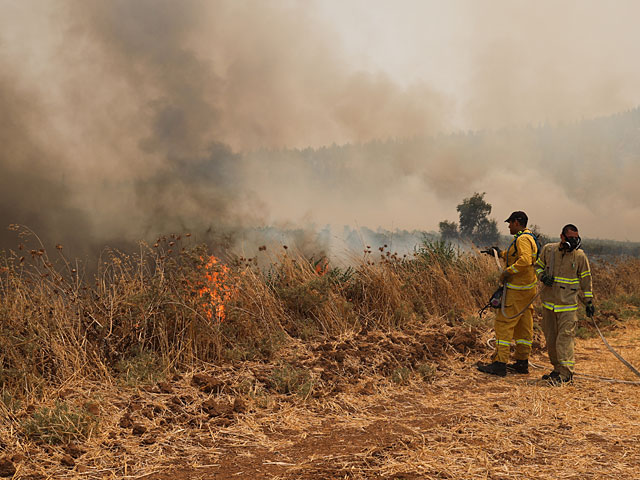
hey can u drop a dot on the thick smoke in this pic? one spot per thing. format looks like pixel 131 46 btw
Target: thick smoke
pixel 124 120
pixel 33 184
pixel 150 104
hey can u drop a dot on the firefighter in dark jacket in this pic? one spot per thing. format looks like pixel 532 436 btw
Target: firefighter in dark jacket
pixel 564 270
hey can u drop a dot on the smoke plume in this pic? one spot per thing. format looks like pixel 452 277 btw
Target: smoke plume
pixel 125 120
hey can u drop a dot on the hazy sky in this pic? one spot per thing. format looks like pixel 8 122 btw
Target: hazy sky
pixel 500 62
pixel 122 119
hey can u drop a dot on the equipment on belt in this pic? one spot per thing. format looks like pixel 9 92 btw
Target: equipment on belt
pixel 497 301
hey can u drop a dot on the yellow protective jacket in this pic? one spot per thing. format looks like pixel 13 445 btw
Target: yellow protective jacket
pixel 570 272
pixel 520 258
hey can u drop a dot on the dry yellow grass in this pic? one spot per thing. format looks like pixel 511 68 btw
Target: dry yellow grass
pixel 364 372
pixel 460 425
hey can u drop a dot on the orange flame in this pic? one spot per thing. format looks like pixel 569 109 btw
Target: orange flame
pixel 215 288
pixel 321 266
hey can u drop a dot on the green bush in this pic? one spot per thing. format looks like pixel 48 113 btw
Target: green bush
pixel 142 368
pixel 258 348
pixel 60 424
pixel 288 379
pixel 584 333
pixel 634 300
pixel 427 371
pixel 438 251
pixel 10 402
pixel 305 298
pixel 401 375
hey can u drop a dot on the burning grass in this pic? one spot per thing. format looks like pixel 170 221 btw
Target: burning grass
pixel 173 350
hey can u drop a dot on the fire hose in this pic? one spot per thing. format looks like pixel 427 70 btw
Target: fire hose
pixel 617 355
pixel 593 320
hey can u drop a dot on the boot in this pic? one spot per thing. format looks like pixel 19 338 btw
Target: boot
pixel 557 380
pixel 495 368
pixel 551 375
pixel 519 366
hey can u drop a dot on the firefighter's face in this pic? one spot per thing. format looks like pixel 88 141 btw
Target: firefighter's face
pixel 514 227
pixel 570 234
pixel 570 241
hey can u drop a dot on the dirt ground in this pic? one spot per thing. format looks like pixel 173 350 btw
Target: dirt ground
pixel 450 423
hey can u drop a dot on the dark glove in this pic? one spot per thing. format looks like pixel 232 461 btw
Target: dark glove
pixel 590 309
pixel 490 251
pixel 546 279
pixel 504 276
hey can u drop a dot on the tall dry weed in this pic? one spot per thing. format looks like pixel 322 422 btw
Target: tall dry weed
pixel 57 323
pixel 619 277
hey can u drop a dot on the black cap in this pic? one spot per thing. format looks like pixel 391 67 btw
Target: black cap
pixel 521 217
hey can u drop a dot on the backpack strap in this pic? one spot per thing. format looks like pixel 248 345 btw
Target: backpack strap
pixel 515 245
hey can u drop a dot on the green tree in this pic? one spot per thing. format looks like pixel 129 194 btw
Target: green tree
pixel 448 230
pixel 472 211
pixel 486 232
pixel 474 225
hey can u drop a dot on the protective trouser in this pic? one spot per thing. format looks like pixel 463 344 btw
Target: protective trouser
pixel 520 328
pixel 559 331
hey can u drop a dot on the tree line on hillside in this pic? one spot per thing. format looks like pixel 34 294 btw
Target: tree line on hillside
pixel 584 159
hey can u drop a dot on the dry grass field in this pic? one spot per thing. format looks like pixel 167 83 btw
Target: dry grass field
pixel 456 423
pixel 174 365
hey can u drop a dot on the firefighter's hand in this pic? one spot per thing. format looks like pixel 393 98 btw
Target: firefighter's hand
pixel 504 276
pixel 546 279
pixel 590 309
pixel 491 250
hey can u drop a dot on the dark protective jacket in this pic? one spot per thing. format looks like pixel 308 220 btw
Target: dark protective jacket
pixel 571 274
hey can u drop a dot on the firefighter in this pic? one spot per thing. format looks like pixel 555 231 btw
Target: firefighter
pixel 564 270
pixel 520 280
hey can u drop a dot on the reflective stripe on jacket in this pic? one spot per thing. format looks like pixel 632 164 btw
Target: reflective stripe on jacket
pixel 520 257
pixel 571 273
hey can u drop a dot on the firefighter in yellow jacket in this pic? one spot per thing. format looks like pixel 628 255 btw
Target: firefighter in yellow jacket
pixel 564 270
pixel 517 320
